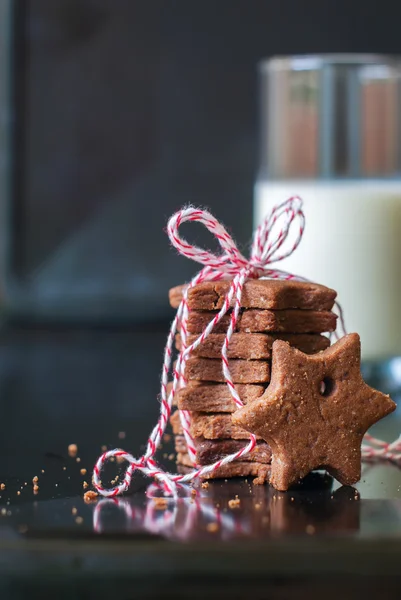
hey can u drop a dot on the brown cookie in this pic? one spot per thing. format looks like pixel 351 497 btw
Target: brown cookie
pixel 209 451
pixel 242 371
pixel 253 346
pixel 235 469
pixel 258 293
pixel 210 426
pixel 315 412
pixel 214 397
pixel 259 321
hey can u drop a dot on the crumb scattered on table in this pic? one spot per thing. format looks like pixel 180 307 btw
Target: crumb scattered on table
pixel 205 485
pixel 74 510
pixel 90 496
pixel 166 437
pixel 160 503
pixel 79 520
pixel 212 527
pixel 121 435
pixel 2 486
pixel 104 448
pixel 78 459
pixel 72 449
pixel 35 479
pixel 234 502
pixel 83 471
pixel 85 485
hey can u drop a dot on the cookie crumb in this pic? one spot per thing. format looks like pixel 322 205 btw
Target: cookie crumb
pixel 72 450
pixel 42 471
pixel 79 520
pixel 120 459
pixel 259 480
pixel 74 510
pixel 166 437
pixel 18 493
pixel 234 503
pixel 90 496
pixel 212 527
pixel 104 448
pixel 193 492
pixel 205 485
pixel 2 486
pixel 78 459
pixel 310 529
pixel 35 489
pixel 83 471
pixel 257 506
pixel 64 468
pixel 85 485
pixel 160 503
pixel 121 435
pixel 35 479
pixel 3 511
pixel 171 456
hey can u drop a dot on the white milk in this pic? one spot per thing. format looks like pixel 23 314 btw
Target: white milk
pixel 352 243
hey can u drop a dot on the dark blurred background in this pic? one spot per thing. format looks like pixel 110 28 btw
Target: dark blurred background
pixel 122 111
pixel 113 114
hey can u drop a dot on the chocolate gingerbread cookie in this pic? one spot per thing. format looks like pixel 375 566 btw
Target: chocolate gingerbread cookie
pixel 257 293
pixel 259 321
pixel 315 412
pixel 235 469
pixel 242 371
pixel 214 397
pixel 210 426
pixel 210 451
pixel 254 346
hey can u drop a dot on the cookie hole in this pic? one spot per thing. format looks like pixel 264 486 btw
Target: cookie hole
pixel 326 387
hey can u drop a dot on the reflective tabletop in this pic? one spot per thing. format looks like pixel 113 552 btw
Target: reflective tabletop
pixel 99 389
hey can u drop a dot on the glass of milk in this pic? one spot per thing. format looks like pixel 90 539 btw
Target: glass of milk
pixel 330 133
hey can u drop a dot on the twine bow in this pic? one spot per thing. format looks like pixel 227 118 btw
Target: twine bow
pixel 268 247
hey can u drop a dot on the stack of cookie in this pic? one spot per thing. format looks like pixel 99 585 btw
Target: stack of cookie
pixel 297 312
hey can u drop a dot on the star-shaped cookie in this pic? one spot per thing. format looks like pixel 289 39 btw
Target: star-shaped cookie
pixel 315 412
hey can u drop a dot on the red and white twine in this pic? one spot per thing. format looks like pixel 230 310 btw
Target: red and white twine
pixel 267 248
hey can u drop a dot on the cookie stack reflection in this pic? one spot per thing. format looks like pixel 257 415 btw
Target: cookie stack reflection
pixel 299 313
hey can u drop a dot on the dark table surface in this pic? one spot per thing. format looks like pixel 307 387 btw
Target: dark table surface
pixel 96 388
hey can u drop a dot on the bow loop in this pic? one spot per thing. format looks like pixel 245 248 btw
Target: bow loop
pixel 229 262
pixel 273 232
